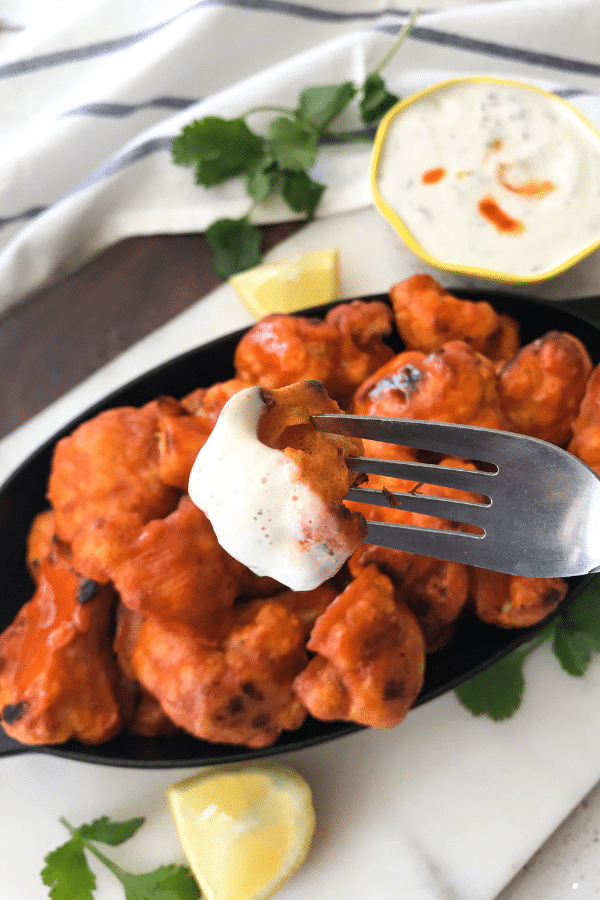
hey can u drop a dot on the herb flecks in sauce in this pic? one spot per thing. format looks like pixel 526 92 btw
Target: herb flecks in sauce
pixel 521 177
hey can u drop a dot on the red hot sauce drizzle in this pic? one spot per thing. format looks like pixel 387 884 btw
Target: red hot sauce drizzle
pixel 432 176
pixel 490 210
pixel 533 188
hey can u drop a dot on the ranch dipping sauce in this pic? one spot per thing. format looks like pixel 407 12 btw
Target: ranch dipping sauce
pixel 491 176
pixel 259 510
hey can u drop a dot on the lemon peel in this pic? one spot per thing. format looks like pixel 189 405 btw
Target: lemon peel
pixel 244 829
pixel 289 285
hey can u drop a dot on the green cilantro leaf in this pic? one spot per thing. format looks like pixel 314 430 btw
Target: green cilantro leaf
pixel 376 100
pixel 573 650
pixel 577 632
pixel 67 873
pixel 263 179
pixel 218 148
pixel 236 245
pixel 106 831
pixel 165 883
pixel 294 144
pixel 575 640
pixel 69 877
pixel 324 103
pixel 497 692
pixel 301 192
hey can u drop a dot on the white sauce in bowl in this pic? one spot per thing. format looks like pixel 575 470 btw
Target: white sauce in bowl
pixel 491 176
pixel 261 514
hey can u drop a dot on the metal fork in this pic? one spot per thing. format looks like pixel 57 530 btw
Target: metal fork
pixel 542 513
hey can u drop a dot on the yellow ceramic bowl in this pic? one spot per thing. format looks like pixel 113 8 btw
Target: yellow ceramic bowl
pixel 490 177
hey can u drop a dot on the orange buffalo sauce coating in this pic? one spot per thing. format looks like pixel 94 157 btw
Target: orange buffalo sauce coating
pixel 542 386
pixel 451 384
pixel 370 656
pixel 428 316
pixel 57 674
pixel 341 350
pixel 237 691
pixel 585 442
pixel 514 601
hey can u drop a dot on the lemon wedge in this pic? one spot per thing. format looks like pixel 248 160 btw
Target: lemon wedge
pixel 291 284
pixel 245 829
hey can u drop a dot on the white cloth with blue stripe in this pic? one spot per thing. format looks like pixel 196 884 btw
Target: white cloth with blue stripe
pixel 91 96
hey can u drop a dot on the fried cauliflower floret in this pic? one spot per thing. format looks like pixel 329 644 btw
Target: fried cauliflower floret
pixel 272 485
pixel 280 350
pixel 108 468
pixel 237 693
pixel 307 606
pixel 58 678
pixel 176 571
pixel 362 327
pixel 435 590
pixel 181 436
pixel 370 656
pixel 542 387
pixel 207 403
pixel 452 384
pixel 585 442
pixel 340 351
pixel 180 439
pixel 427 316
pixel 514 601
pixel 142 713
pixel 320 457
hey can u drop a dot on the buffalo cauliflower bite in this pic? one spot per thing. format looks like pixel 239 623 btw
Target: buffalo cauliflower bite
pixel 514 601
pixel 437 591
pixel 273 486
pixel 585 442
pixel 451 384
pixel 105 482
pixel 370 656
pixel 176 571
pixel 341 350
pixel 427 316
pixel 239 692
pixel 542 387
pixel 58 677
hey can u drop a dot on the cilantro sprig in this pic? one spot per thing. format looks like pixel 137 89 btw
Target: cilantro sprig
pixel 498 691
pixel 278 162
pixel 69 876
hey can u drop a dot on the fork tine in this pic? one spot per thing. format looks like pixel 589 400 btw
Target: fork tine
pixel 441 507
pixel 443 476
pixel 453 546
pixel 543 518
pixel 467 441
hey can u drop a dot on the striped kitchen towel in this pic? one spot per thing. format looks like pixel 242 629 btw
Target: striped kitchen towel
pixel 92 95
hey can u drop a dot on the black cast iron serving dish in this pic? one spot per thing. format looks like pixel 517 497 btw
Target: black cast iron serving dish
pixel 474 646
